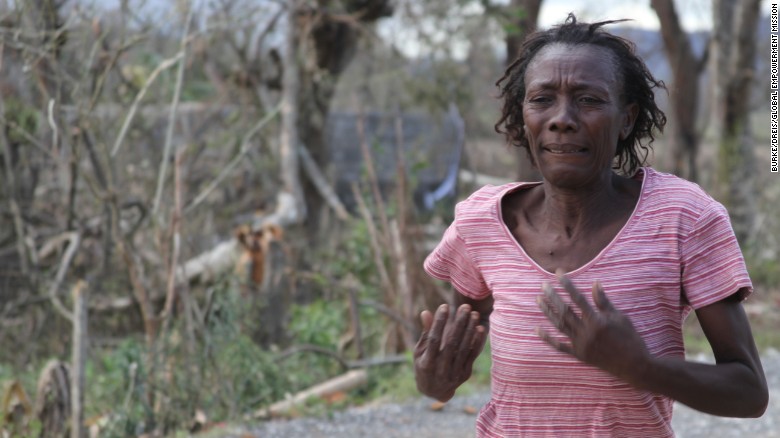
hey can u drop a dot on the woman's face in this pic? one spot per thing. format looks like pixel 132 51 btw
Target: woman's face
pixel 574 114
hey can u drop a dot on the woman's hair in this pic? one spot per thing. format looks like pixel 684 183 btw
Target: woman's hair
pixel 637 82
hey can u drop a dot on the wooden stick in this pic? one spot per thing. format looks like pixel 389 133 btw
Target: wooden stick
pixel 373 180
pixel 321 184
pixel 344 382
pixel 314 349
pixel 80 340
pixel 174 110
pixel 373 234
pixel 354 315
pixel 402 281
pixel 164 65
pixel 480 179
pixel 288 138
pixel 246 145
pixel 75 241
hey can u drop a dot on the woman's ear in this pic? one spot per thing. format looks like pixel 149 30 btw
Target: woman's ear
pixel 630 113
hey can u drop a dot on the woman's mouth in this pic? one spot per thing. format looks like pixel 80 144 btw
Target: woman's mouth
pixel 564 149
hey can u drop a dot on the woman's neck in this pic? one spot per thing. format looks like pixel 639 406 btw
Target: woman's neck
pixel 576 211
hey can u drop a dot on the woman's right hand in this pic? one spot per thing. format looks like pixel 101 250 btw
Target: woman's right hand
pixel 446 351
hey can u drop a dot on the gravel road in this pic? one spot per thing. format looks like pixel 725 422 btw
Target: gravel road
pixel 456 420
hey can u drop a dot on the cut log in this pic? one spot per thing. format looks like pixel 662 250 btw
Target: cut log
pixel 480 179
pixel 209 265
pixel 342 383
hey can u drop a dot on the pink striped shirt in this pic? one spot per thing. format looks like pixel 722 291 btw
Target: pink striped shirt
pixel 677 252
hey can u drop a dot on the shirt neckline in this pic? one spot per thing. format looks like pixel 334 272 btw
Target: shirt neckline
pixel 631 219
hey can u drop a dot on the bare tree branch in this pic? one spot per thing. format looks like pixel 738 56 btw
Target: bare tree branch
pixel 164 65
pixel 67 258
pixel 318 179
pixel 245 147
pixel 288 142
pixel 174 111
pixel 12 194
pixel 373 234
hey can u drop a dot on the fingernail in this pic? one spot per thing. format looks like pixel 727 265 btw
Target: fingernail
pixel 559 272
pixel 442 308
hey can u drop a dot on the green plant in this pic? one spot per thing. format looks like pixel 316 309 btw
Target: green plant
pixel 115 389
pixel 764 272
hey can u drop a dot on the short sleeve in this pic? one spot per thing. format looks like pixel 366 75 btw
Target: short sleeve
pixel 450 261
pixel 713 267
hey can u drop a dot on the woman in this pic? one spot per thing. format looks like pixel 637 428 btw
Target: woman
pixel 650 247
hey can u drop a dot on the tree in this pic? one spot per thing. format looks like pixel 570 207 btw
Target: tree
pixel 522 18
pixel 686 71
pixel 519 19
pixel 328 37
pixel 734 52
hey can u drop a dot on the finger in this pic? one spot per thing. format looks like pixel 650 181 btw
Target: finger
pixel 555 300
pixel 467 338
pixel 478 343
pixel 575 294
pixel 600 298
pixel 554 343
pixel 479 339
pixel 437 329
pixel 557 311
pixel 452 340
pixel 426 317
pixel 554 317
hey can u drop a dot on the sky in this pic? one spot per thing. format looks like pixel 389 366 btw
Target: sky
pixel 694 14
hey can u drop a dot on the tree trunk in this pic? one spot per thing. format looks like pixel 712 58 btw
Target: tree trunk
pixel 288 142
pixel 735 68
pixel 522 16
pixel 328 43
pixel 686 69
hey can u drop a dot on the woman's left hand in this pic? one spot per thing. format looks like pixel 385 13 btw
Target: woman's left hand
pixel 603 337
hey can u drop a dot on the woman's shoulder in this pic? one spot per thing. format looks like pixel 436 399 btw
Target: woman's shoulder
pixel 485 198
pixel 668 189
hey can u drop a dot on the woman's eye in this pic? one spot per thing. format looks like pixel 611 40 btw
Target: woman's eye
pixel 589 99
pixel 539 99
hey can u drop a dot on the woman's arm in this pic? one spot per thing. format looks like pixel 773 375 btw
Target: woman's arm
pixel 734 387
pixel 483 307
pixel 604 337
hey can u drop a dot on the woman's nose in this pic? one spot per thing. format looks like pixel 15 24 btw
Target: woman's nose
pixel 563 118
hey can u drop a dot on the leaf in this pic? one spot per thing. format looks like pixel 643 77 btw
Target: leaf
pixel 437 406
pixel 471 410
